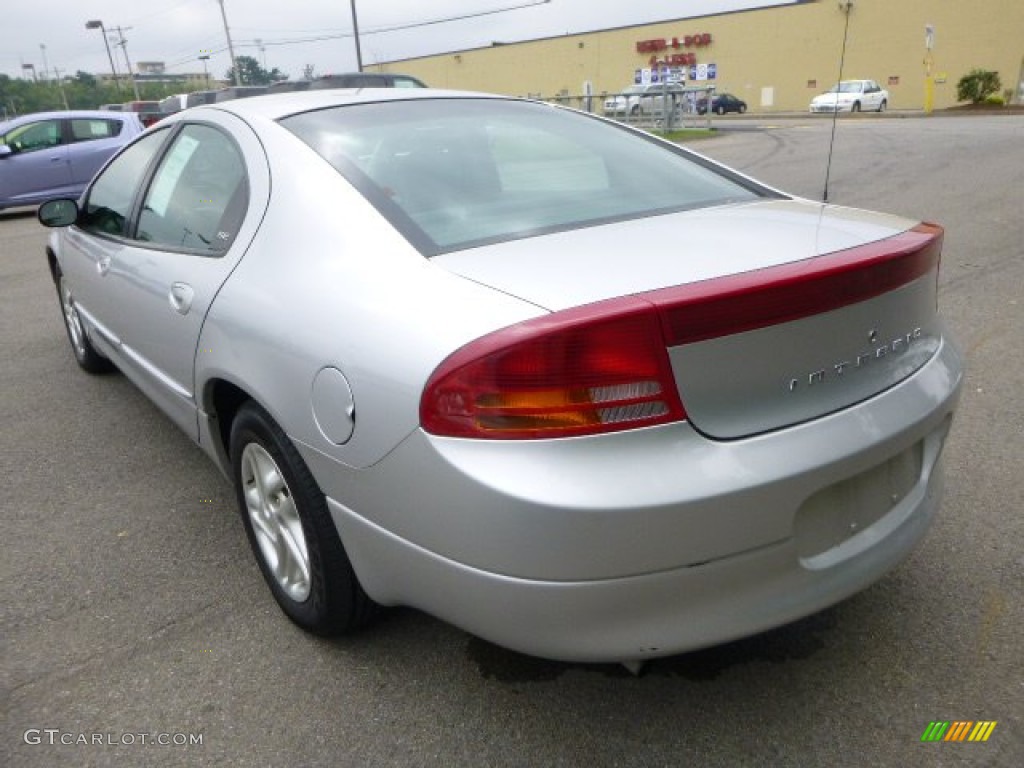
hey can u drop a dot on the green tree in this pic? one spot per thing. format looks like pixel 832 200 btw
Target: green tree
pixel 253 74
pixel 977 85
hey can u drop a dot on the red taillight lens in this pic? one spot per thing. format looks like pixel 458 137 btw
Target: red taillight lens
pixel 585 371
pixel 787 292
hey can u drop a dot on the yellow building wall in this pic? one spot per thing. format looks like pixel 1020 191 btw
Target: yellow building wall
pixel 776 59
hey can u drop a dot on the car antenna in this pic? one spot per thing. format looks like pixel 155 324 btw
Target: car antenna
pixel 845 6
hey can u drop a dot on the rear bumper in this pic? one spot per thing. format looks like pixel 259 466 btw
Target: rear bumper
pixel 654 542
pixel 638 617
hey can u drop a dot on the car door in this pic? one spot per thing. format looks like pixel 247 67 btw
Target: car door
pixel 101 233
pixel 38 164
pixel 185 243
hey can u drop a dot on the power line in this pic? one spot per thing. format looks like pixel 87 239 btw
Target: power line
pixel 340 35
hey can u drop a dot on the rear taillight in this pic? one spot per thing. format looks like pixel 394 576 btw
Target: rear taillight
pixel 589 370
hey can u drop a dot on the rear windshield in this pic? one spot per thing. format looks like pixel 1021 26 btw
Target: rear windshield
pixel 455 173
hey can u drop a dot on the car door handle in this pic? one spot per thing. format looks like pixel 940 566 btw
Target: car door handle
pixel 103 265
pixel 180 296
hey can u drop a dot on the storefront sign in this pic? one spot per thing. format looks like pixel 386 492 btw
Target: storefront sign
pixel 662 44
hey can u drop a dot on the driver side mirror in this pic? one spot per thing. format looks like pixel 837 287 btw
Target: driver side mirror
pixel 58 213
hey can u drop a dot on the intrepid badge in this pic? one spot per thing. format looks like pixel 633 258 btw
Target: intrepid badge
pixel 837 370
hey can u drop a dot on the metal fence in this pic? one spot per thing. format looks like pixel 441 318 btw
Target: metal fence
pixel 663 107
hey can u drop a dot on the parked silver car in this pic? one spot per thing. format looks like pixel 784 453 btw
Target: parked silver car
pixel 575 389
pixel 54 154
pixel 638 100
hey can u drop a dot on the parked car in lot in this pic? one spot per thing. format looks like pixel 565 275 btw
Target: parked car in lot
pixel 366 80
pixel 451 355
pixel 149 112
pixel 55 154
pixel 637 100
pixel 721 103
pixel 852 96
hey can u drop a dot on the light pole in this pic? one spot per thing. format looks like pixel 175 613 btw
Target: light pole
pixel 263 52
pixel 97 24
pixel 355 34
pixel 206 73
pixel 46 67
pixel 231 47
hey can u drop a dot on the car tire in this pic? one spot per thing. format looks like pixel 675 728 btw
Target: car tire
pixel 742 108
pixel 882 106
pixel 85 353
pixel 855 107
pixel 290 529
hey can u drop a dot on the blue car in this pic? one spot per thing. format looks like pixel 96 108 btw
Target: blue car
pixel 55 154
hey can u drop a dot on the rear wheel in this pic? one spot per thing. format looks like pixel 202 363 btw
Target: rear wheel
pixel 291 531
pixel 85 354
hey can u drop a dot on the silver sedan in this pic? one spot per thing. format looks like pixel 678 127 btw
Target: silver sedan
pixel 575 389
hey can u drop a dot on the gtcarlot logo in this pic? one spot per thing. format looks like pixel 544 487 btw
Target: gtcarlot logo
pixel 59 737
pixel 958 730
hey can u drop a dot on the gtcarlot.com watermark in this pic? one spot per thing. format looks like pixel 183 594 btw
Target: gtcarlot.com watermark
pixel 59 737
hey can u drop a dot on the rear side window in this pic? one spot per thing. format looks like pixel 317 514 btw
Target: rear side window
pixel 92 129
pixel 198 195
pixel 454 173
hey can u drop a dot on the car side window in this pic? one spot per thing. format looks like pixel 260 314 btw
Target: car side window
pixel 32 137
pixel 198 195
pixel 92 129
pixel 109 201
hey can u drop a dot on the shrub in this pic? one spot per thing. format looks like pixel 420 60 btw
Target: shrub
pixel 977 85
pixel 995 100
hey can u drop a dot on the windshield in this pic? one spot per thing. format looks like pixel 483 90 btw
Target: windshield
pixel 454 173
pixel 851 87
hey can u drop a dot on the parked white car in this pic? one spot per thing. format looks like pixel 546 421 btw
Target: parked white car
pixel 852 96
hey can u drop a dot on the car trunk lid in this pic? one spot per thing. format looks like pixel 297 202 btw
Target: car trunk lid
pixel 776 312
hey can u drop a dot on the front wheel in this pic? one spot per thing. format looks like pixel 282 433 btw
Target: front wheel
pixel 882 106
pixel 743 108
pixel 290 529
pixel 855 107
pixel 85 353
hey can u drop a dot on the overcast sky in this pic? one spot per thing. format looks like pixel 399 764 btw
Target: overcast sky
pixel 177 31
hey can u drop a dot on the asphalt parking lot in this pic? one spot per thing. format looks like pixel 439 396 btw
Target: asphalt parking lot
pixel 132 608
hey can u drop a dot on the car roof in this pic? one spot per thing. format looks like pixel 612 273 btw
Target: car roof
pixel 278 105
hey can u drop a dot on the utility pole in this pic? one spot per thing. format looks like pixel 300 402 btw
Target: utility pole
pixel 355 34
pixel 231 47
pixel 60 86
pixel 124 49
